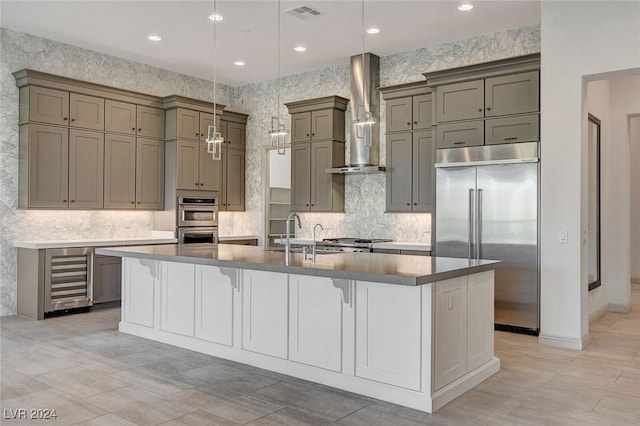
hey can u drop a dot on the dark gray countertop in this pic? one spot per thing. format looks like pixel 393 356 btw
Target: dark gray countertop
pixel 377 267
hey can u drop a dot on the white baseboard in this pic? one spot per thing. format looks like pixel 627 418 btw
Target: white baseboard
pixel 598 313
pixel 564 342
pixel 618 307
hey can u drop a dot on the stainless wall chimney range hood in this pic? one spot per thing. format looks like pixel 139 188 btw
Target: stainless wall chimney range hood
pixel 365 80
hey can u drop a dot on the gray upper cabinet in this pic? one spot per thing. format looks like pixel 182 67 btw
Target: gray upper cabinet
pixel 86 165
pixel 86 111
pixel 44 105
pixel 490 103
pixel 233 166
pixel 44 166
pixel 188 124
pixel 120 117
pixel 119 172
pixel 460 101
pixel 409 113
pixel 149 174
pixel 512 94
pixel 150 122
pixel 209 170
pixel 317 136
pixel 235 135
pixel 410 172
pixel 206 120
pixel 300 176
pixel 410 151
pixel 188 165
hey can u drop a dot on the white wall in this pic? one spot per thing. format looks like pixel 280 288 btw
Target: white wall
pixel 634 132
pixel 280 169
pixel 580 42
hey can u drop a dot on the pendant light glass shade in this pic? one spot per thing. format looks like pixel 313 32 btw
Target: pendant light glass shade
pixel 278 133
pixel 214 138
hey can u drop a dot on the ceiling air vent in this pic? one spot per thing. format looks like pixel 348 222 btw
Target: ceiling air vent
pixel 303 12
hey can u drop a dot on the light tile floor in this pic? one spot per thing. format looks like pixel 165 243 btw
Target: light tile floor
pixel 87 371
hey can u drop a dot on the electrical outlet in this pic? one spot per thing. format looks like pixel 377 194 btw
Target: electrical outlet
pixel 563 237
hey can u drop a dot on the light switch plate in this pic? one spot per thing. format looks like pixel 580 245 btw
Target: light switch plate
pixel 563 237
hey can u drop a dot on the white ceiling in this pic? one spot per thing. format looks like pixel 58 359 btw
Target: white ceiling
pixel 248 31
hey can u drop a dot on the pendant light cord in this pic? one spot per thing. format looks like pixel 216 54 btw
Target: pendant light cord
pixel 364 89
pixel 215 62
pixel 279 85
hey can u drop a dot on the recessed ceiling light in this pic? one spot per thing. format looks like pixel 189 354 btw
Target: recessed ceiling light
pixel 465 7
pixel 300 48
pixel 216 17
pixel 239 63
pixel 155 37
pixel 373 30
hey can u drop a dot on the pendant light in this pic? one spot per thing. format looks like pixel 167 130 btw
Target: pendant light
pixel 278 132
pixel 365 120
pixel 214 137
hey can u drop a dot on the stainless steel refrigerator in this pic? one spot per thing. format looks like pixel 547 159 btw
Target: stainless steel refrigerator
pixel 487 200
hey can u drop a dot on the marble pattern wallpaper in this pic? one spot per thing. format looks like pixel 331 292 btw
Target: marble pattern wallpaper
pixel 364 194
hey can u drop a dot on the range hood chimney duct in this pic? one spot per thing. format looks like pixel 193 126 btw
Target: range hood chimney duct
pixel 364 96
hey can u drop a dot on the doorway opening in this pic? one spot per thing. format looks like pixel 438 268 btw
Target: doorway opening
pixel 277 194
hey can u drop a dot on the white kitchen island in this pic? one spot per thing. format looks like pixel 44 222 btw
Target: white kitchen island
pixel 412 330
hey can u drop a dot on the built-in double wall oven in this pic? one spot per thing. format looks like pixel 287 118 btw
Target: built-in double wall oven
pixel 197 220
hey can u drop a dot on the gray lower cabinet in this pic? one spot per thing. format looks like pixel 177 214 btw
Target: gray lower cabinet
pixel 410 173
pixel 312 189
pixel 106 278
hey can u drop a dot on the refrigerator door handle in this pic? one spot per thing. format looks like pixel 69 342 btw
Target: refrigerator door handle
pixel 471 223
pixel 479 226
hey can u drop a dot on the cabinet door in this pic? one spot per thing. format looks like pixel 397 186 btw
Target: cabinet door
pixel 399 172
pixel 460 101
pixel 139 288
pixel 86 169
pixel 512 94
pixel 389 334
pixel 321 182
pixel 300 176
pixel 177 296
pixel 107 279
pixel 458 135
pixel 119 172
pixel 322 124
pixel 48 166
pixel 151 122
pixel 188 124
pixel 301 127
pixel 210 170
pixel 235 180
pixel 424 174
pixel 315 322
pixel 265 312
pixel 206 120
pixel 149 174
pixel 235 135
pixel 188 164
pixel 86 111
pixel 422 105
pixel 48 105
pixel 119 117
pixel 214 303
pixel 480 319
pixel 450 325
pixel 399 114
pixel 521 128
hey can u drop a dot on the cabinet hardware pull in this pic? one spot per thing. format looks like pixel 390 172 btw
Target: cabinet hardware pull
pixel 408 204
pixel 313 134
pixel 459 143
pixel 73 119
pixel 64 201
pixel 307 134
pixel 488 108
pixel 133 202
pixel 312 205
pixel 197 134
pixel 139 129
pixel 415 122
pixel 196 184
pixel 139 202
pixel 73 201
pixel 202 184
pixel 479 109
pixel 408 123
pixel 415 204
pixel 133 128
pixel 510 139
pixel 64 118
pixel 307 205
